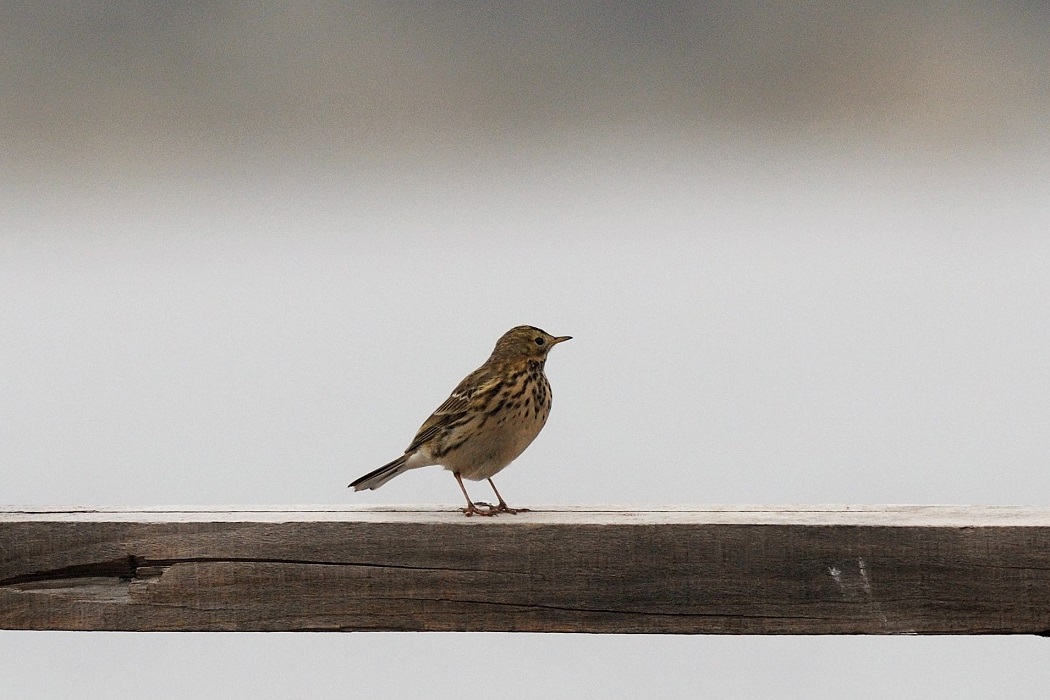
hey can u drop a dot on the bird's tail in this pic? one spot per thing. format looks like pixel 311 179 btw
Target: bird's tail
pixel 375 479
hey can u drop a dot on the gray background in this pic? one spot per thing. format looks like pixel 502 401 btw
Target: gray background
pixel 803 249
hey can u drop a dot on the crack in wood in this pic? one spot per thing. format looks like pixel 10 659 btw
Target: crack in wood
pixel 605 611
pixel 316 562
pixel 132 567
pixel 122 568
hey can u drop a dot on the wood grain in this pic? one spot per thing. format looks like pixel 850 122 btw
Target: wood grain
pixel 717 570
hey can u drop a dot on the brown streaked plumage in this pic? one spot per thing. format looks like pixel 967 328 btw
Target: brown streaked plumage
pixel 487 421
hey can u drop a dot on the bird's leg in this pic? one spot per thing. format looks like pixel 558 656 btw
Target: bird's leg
pixel 471 509
pixel 503 507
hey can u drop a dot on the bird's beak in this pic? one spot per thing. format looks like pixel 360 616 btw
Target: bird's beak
pixel 561 339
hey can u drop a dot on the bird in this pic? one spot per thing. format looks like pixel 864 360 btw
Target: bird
pixel 488 420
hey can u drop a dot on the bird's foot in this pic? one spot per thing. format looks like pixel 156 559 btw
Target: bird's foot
pixel 504 508
pixel 472 509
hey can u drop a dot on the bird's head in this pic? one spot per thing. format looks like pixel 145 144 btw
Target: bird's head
pixel 526 342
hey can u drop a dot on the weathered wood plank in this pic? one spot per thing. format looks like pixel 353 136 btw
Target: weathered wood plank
pixel 729 570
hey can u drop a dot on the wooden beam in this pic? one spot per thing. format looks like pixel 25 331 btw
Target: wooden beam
pixel 716 570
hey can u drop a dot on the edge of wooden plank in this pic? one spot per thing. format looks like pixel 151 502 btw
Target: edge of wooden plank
pixel 894 515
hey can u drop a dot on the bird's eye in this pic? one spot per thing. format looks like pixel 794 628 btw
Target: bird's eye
pixel 539 341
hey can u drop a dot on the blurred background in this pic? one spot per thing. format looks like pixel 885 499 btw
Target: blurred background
pixel 803 249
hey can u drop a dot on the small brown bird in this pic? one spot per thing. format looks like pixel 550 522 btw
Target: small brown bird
pixel 490 418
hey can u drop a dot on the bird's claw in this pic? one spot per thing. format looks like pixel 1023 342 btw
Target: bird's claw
pixel 473 509
pixel 490 510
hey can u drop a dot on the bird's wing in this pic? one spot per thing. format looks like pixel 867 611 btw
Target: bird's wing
pixel 477 383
